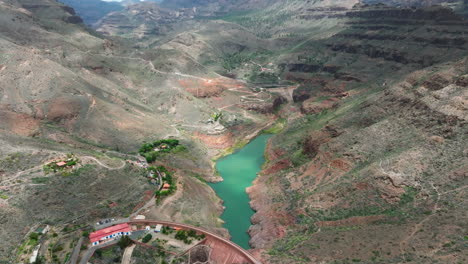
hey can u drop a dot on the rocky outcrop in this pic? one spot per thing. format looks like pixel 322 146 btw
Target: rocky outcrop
pixel 369 34
pixel 435 13
pixel 52 11
pixel 267 107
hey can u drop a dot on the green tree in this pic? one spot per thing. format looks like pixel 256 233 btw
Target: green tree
pixel 192 233
pixel 181 235
pixel 34 236
pixel 124 242
pixel 147 238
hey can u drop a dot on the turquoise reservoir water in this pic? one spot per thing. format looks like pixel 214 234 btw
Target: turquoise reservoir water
pixel 238 171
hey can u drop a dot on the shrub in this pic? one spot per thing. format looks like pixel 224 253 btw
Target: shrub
pixel 181 235
pixel 34 236
pixel 191 233
pixel 311 146
pixel 147 238
pixel 57 248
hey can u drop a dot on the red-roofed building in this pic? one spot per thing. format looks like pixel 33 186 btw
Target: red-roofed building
pixel 166 186
pixel 110 233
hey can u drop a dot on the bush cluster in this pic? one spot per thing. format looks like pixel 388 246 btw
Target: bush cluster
pixel 164 145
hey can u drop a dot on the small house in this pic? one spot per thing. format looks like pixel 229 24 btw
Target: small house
pixel 61 164
pixel 164 146
pixel 158 228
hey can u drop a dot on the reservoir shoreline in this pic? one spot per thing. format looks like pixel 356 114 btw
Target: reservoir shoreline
pixel 238 170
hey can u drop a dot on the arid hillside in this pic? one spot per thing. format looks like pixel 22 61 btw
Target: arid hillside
pixel 377 177
pixel 368 102
pixel 67 89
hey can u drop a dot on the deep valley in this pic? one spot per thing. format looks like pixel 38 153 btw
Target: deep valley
pixel 122 112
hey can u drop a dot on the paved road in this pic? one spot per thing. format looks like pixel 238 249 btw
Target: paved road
pixel 89 253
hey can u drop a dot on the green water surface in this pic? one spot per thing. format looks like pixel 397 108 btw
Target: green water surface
pixel 238 171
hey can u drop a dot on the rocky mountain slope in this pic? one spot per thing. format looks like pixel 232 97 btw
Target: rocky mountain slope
pixel 92 10
pixel 378 177
pixel 369 168
pixel 142 20
pixel 66 89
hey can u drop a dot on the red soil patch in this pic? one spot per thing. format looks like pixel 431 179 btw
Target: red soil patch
pixel 18 123
pixel 352 221
pixel 216 141
pixel 340 164
pixel 209 87
pixel 278 166
pixel 64 108
pixel 274 154
pixel 362 186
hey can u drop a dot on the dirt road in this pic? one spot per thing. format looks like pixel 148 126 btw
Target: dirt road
pixel 127 255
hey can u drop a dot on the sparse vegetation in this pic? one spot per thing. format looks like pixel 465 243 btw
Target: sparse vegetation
pixel 40 180
pixel 372 68
pixel 277 127
pixel 263 77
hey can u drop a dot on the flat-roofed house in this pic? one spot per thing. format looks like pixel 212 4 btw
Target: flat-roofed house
pixel 61 164
pixel 158 228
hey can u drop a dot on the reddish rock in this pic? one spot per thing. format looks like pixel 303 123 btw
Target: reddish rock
pixel 278 166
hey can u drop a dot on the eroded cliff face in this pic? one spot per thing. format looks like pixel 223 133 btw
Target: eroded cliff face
pixel 374 41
